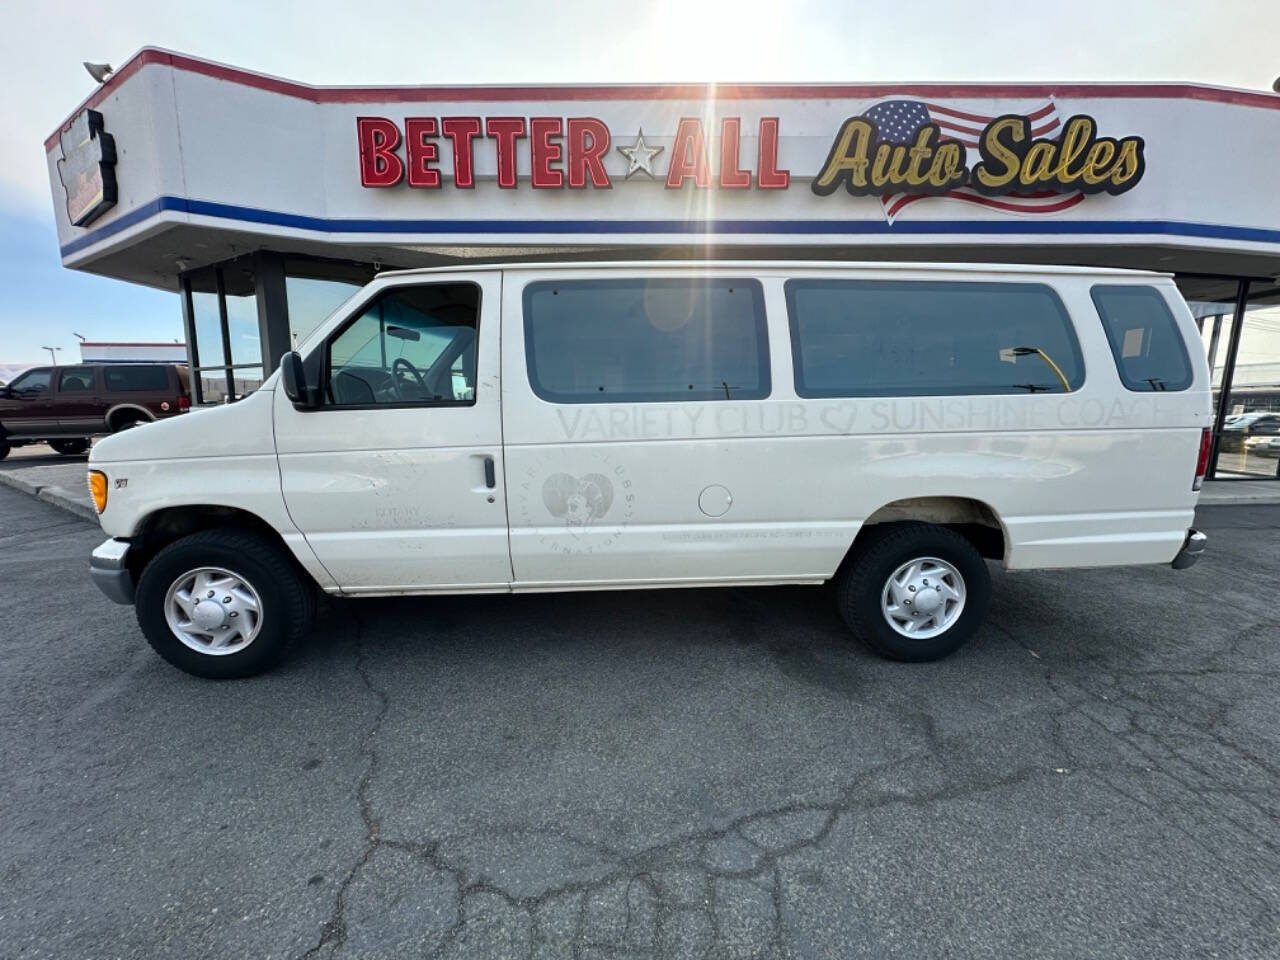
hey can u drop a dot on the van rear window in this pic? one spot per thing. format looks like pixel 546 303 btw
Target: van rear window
pixel 1149 350
pixel 894 338
pixel 152 378
pixel 646 341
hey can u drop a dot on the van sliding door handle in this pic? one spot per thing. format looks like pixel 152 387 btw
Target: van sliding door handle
pixel 490 478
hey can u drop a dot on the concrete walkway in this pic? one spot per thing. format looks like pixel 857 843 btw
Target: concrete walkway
pixel 56 479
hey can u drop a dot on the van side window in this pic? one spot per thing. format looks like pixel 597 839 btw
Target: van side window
pixel 1145 340
pixel 894 338
pixel 413 346
pixel 646 341
pixel 152 378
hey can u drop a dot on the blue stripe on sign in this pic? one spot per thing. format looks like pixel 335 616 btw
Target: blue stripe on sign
pixel 761 227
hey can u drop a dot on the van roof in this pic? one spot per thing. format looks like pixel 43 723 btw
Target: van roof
pixel 779 265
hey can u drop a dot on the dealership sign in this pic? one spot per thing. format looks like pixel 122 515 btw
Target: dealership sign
pixel 87 168
pixel 898 151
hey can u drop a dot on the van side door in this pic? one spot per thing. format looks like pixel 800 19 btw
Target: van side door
pixel 396 479
pixel 640 429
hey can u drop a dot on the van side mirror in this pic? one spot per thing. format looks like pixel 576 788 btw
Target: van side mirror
pixel 293 377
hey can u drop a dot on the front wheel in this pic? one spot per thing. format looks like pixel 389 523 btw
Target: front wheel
pixel 223 604
pixel 70 448
pixel 914 591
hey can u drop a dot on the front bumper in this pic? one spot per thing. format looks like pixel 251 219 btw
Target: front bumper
pixel 1192 547
pixel 109 571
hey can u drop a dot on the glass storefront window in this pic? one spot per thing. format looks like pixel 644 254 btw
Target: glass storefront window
pixel 226 326
pixel 310 301
pixel 208 325
pixel 315 288
pixel 1250 442
pixel 242 314
pixel 1213 303
pixel 225 288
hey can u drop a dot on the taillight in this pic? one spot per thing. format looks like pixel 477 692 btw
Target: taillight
pixel 1202 461
pixel 184 404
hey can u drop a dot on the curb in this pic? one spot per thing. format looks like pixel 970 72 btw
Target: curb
pixel 53 495
pixel 1241 501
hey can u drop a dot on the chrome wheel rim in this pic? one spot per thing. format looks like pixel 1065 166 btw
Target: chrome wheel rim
pixel 213 611
pixel 923 598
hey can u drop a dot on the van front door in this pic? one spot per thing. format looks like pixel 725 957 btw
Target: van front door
pixel 396 479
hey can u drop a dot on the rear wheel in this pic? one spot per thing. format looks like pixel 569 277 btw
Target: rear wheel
pixel 70 448
pixel 914 591
pixel 222 604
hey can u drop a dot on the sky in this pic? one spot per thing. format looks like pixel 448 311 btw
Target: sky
pixel 1228 42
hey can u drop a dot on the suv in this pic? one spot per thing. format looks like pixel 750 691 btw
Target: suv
pixel 65 406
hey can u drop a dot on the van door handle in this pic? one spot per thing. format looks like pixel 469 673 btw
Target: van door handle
pixel 490 477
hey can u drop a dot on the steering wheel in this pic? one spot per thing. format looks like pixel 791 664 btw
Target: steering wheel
pixel 398 366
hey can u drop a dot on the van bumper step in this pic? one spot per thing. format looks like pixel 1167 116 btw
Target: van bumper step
pixel 1192 547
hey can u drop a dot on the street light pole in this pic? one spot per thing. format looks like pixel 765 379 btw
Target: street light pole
pixel 52 359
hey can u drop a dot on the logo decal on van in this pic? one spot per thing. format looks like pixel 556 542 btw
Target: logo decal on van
pixel 579 501
pixel 573 513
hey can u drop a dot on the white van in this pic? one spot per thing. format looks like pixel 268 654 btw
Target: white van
pixel 495 429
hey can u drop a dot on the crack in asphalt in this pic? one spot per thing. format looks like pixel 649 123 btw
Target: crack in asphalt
pixel 654 914
pixel 334 931
pixel 644 868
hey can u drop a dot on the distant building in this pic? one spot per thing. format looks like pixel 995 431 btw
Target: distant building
pixel 103 352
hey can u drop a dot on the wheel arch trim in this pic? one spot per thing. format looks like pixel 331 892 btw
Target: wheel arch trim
pixel 112 411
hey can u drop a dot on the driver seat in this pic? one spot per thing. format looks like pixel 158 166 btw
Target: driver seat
pixel 351 389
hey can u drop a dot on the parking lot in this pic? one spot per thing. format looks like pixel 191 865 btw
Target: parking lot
pixel 674 774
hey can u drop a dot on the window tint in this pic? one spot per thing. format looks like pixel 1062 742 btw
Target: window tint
pixel 123 379
pixel 413 345
pixel 1144 338
pixel 31 383
pixel 863 338
pixel 76 380
pixel 607 341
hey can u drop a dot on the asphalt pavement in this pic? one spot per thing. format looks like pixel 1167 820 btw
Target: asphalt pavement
pixel 718 773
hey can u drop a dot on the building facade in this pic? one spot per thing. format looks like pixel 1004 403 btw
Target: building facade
pixel 266 202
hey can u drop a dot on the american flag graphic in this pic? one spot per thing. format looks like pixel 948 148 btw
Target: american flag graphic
pixel 899 120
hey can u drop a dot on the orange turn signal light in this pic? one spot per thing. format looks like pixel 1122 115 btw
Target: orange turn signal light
pixel 98 489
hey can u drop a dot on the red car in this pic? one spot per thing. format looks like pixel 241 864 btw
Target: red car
pixel 65 406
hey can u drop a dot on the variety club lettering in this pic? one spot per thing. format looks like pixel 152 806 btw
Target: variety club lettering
pixel 897 150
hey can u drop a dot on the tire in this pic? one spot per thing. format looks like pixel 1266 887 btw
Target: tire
pixel 4 449
pixel 70 448
pixel 285 601
pixel 864 591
